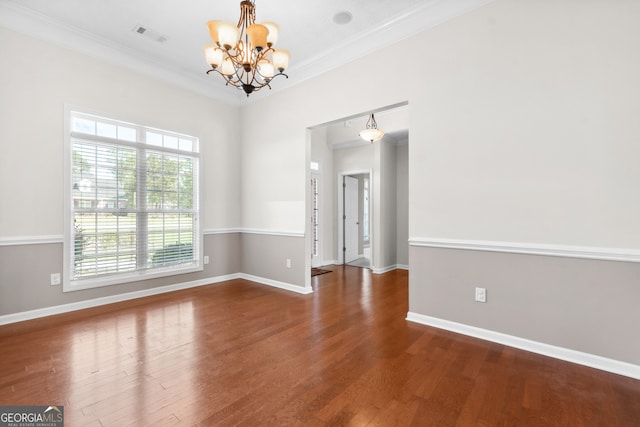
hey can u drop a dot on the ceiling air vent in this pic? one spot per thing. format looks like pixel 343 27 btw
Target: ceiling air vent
pixel 150 34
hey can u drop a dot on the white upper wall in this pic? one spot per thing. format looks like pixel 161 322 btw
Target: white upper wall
pixel 274 168
pixel 35 87
pixel 528 125
pixel 523 126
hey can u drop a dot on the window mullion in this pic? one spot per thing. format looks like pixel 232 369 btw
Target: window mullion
pixel 142 216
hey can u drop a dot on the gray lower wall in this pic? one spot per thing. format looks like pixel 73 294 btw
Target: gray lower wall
pixel 25 269
pixel 580 304
pixel 265 256
pixel 25 274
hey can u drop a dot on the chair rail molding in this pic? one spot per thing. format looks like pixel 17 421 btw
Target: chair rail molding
pixel 31 240
pixel 587 252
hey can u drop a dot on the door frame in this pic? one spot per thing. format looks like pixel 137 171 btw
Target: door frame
pixel 340 212
pixel 317 261
pixel 351 218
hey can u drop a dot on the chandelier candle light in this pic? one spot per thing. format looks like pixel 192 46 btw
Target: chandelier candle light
pixel 372 133
pixel 243 54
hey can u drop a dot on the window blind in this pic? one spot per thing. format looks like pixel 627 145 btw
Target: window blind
pixel 134 200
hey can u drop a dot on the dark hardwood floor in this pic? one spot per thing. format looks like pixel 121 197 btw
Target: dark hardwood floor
pixel 240 353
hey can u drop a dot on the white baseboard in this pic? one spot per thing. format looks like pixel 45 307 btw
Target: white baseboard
pixel 80 305
pixel 376 270
pixel 585 359
pixel 276 284
pixel 373 270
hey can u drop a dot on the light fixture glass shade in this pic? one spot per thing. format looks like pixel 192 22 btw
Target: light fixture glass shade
pixel 213 30
pixel 213 55
pixel 228 34
pixel 274 29
pixel 372 135
pixel 258 36
pixel 281 59
pixel 266 70
pixel 227 67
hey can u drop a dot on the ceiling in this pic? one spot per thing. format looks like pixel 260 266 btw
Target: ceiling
pixel 344 132
pixel 105 29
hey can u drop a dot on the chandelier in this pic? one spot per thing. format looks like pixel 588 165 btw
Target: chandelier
pixel 372 133
pixel 243 54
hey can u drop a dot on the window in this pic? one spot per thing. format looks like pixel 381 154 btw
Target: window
pixel 133 202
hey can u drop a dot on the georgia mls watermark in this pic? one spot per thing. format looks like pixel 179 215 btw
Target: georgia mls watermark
pixel 31 416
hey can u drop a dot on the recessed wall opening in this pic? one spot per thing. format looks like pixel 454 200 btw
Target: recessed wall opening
pixel 373 233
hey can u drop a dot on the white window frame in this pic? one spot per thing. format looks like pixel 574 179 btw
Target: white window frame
pixel 69 284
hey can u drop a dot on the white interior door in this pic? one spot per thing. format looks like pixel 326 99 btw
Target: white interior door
pixel 350 219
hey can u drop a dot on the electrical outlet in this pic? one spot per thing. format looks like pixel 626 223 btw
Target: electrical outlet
pixel 481 294
pixel 206 259
pixel 55 279
pixel 288 263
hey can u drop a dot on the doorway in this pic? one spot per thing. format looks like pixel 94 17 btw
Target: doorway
pixel 354 219
pixel 383 218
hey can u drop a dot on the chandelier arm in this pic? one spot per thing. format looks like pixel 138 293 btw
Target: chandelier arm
pixel 263 54
pixel 279 74
pixel 237 82
pixel 228 79
pixel 234 55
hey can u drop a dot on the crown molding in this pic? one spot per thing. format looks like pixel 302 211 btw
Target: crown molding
pixel 34 24
pixel 423 16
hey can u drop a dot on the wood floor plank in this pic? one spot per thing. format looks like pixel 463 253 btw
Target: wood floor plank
pixel 240 353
